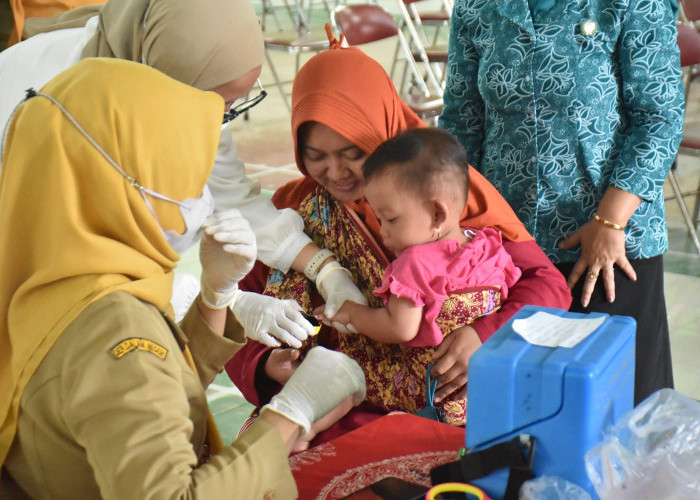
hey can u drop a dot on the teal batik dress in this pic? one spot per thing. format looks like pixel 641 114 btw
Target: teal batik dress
pixel 555 101
pixel 554 108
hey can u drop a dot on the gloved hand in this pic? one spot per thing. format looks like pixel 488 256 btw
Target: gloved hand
pixel 227 253
pixel 336 286
pixel 267 319
pixel 320 383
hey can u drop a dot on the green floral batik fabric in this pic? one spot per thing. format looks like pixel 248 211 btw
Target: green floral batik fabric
pixel 555 108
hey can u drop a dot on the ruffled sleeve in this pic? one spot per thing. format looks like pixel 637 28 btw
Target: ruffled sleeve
pixel 405 277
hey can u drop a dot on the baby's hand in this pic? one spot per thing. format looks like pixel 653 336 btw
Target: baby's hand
pixel 281 364
pixel 341 316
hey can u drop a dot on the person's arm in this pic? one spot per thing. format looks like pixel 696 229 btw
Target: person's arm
pixel 463 109
pixel 540 284
pixel 653 105
pixel 603 245
pixel 214 336
pixel 247 372
pixel 279 233
pixel 132 416
pixel 396 323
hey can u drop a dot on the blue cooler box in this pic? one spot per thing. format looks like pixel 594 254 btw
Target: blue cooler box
pixel 564 397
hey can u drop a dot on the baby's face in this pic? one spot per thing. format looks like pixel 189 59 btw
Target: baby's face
pixel 404 217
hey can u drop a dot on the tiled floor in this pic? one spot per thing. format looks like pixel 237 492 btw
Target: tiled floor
pixel 265 143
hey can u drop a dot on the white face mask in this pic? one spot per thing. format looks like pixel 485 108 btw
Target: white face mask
pixel 195 211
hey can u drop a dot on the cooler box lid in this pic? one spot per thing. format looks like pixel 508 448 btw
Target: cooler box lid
pixel 514 384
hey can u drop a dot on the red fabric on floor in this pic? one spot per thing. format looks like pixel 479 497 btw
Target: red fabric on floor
pixel 398 444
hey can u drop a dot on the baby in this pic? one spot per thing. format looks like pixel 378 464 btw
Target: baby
pixel 417 184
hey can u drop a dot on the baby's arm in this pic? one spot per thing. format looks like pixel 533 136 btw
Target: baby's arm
pixel 395 324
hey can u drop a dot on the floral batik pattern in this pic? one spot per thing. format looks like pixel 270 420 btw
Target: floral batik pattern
pixel 554 107
pixel 395 373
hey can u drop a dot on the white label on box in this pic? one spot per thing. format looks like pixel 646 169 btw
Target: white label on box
pixel 550 330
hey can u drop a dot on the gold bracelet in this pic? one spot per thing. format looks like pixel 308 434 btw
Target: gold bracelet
pixel 607 222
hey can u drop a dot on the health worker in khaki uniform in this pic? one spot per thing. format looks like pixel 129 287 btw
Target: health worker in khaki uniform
pixel 101 393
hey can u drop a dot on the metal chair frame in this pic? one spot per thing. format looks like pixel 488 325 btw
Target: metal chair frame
pixel 689 44
pixel 365 23
pixel 302 38
pixel 432 55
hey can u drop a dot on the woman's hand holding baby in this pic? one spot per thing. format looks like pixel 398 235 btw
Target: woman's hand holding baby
pixel 281 364
pixel 452 360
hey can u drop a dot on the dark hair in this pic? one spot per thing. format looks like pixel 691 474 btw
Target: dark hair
pixel 420 158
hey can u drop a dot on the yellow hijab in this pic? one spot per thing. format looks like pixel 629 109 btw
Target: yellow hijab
pixel 72 228
pixel 201 43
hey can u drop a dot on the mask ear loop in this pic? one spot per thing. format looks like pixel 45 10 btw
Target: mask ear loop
pixel 30 93
pixel 143 190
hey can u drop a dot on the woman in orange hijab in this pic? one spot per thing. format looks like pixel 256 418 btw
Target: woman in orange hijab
pixel 344 105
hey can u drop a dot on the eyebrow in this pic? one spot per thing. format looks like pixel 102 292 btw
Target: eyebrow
pixel 337 151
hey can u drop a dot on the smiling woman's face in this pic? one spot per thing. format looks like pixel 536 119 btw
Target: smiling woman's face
pixel 333 161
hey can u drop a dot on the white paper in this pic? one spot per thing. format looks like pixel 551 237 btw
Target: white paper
pixel 549 330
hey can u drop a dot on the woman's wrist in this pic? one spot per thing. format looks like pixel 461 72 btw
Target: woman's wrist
pixel 215 318
pixel 608 223
pixel 289 431
pixel 616 207
pixel 307 254
pixel 315 263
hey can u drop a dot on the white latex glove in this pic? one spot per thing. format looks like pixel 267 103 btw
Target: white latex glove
pixel 318 385
pixel 227 253
pixel 267 319
pixel 336 286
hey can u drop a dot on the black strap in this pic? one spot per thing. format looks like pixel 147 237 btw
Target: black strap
pixel 516 454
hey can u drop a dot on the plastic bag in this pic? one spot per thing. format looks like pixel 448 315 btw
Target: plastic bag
pixel 551 488
pixel 652 452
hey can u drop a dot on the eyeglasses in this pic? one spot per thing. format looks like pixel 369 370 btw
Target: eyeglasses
pixel 246 105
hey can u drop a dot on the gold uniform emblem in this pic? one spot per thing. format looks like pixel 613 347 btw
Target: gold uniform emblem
pixel 138 344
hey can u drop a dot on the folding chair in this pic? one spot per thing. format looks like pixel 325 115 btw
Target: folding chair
pixel 689 14
pixel 365 23
pixel 269 9
pixel 690 10
pixel 429 50
pixel 689 44
pixel 298 37
pixel 435 18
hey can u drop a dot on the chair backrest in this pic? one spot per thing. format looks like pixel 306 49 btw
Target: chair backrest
pixel 691 9
pixel 364 23
pixel 445 5
pixel 418 41
pixel 689 44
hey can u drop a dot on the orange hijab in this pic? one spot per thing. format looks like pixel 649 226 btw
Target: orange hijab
pixel 351 93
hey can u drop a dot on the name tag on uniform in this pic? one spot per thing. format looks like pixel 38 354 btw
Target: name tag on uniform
pixel 138 344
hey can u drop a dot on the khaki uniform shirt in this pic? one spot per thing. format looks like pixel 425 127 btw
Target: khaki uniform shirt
pixel 114 411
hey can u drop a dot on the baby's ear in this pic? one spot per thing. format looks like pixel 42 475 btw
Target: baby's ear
pixel 440 211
